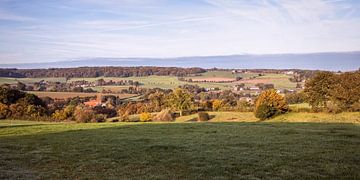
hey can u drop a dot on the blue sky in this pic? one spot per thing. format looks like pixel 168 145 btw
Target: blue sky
pixel 54 30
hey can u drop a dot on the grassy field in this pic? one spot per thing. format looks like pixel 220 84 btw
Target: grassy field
pixel 179 150
pixel 65 95
pixel 165 82
pixel 29 80
pixel 170 82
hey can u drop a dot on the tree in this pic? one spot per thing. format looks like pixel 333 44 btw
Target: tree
pixel 181 100
pixel 217 104
pixel 269 104
pixel 9 96
pixel 83 113
pixel 346 92
pixel 20 86
pixel 157 100
pixel 318 89
pixel 4 111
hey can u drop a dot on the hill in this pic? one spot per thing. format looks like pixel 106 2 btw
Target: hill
pixel 313 61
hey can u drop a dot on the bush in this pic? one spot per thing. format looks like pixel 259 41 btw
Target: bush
pixel 124 117
pixel 98 118
pixel 244 106
pixel 64 114
pixel 355 107
pixel 295 98
pixel 83 114
pixel 217 104
pixel 4 111
pixel 269 104
pixel 203 116
pixel 333 108
pixel 145 117
pixel 265 112
pixel 164 115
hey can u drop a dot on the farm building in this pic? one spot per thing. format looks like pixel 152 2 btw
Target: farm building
pixel 95 102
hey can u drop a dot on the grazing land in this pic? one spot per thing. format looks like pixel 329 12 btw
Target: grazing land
pixel 171 82
pixel 223 150
pixel 65 95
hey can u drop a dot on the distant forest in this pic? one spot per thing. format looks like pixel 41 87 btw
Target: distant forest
pixel 86 72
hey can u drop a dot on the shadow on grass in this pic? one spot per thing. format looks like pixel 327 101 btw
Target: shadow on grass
pixel 19 125
pixel 197 120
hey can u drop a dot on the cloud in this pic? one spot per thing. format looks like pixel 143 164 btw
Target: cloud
pixel 156 28
pixel 4 15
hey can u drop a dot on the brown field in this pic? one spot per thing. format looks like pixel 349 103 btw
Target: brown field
pixel 255 81
pixel 213 79
pixel 65 95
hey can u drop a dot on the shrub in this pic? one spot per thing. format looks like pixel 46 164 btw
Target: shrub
pixel 269 104
pixel 59 115
pixel 145 117
pixel 124 117
pixel 64 114
pixel 98 118
pixel 203 116
pixel 265 112
pixel 217 104
pixel 83 114
pixel 355 107
pixel 295 98
pixel 4 111
pixel 333 108
pixel 164 115
pixel 244 106
pixel 108 112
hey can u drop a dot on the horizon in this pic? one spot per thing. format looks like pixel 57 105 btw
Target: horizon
pixel 52 31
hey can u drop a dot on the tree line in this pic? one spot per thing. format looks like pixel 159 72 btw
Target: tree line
pixel 99 71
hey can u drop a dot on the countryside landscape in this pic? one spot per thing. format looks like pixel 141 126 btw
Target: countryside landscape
pixel 116 90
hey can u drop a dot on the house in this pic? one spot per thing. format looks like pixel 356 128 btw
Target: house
pixel 289 72
pixel 254 88
pixel 238 88
pixel 95 102
pixel 247 99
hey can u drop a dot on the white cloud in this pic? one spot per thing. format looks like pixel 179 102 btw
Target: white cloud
pixel 224 27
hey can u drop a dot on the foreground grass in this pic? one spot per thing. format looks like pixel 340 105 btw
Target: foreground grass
pixel 179 150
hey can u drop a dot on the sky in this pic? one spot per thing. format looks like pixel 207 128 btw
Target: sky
pixel 56 30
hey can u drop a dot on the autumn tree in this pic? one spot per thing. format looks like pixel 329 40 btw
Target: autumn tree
pixel 4 111
pixel 318 89
pixel 181 100
pixel 269 104
pixel 157 100
pixel 217 104
pixel 345 93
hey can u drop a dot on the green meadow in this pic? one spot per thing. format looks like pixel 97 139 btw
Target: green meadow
pixel 276 149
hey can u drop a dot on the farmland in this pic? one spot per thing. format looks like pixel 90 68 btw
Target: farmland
pixel 222 150
pixel 170 82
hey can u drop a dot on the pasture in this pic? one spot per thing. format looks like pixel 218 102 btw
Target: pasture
pixel 221 150
pixel 170 82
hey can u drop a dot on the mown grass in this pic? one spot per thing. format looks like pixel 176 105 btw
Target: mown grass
pixel 231 150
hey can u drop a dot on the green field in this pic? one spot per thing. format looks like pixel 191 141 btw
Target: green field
pixel 179 151
pixel 165 82
pixel 170 82
pixel 29 80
